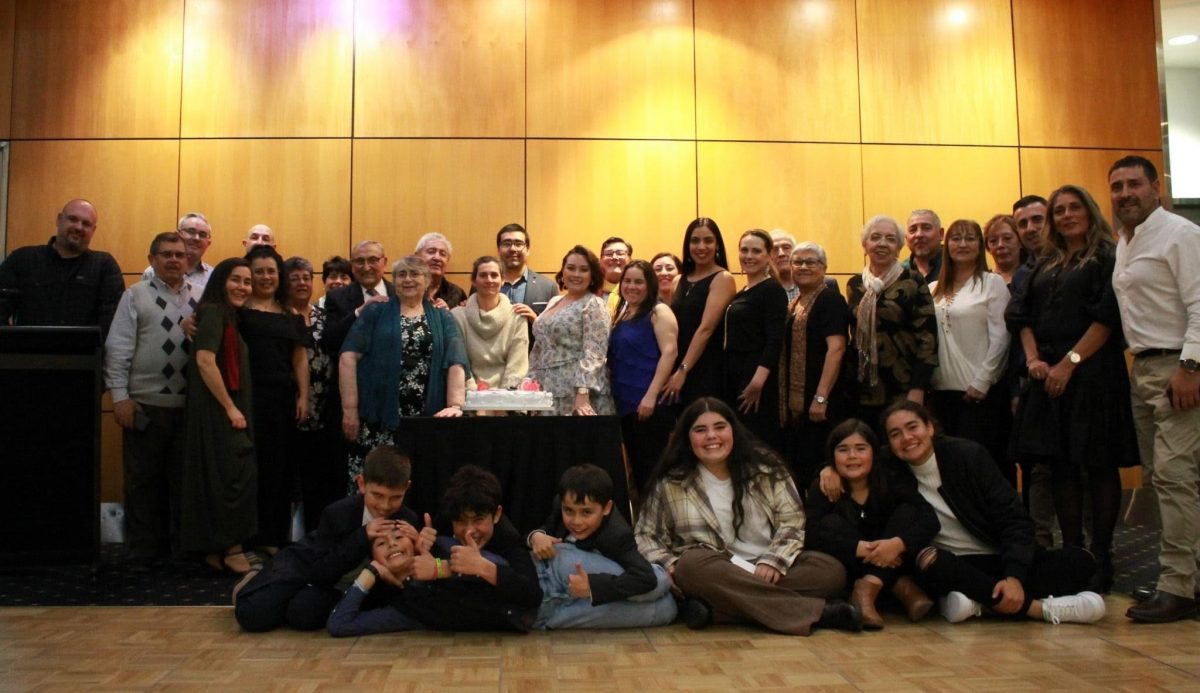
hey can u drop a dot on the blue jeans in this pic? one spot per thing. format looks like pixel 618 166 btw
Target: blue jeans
pixel 560 610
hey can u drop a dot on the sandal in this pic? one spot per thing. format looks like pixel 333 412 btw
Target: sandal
pixel 237 563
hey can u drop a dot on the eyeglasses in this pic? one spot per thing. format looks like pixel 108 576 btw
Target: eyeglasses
pixel 406 274
pixel 172 254
pixel 196 233
pixel 514 245
pixel 615 253
pixel 969 240
pixel 364 261
pixel 805 262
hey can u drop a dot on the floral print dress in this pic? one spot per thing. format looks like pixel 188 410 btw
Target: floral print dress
pixel 570 343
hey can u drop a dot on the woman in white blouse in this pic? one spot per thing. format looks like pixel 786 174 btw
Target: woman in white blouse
pixel 968 395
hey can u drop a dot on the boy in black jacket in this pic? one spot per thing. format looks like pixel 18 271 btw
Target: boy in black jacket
pixel 297 587
pixel 589 567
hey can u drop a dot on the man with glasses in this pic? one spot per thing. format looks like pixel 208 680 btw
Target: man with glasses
pixel 197 233
pixel 615 253
pixel 145 359
pixel 64 282
pixel 528 290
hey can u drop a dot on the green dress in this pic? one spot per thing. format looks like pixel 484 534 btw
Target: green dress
pixel 220 479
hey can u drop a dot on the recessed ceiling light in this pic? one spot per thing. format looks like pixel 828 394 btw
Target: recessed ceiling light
pixel 1183 40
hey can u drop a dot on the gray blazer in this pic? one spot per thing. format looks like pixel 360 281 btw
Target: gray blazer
pixel 539 290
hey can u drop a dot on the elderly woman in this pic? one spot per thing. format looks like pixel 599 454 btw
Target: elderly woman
pixel 403 357
pixel 666 271
pixel 812 395
pixel 570 340
pixel 497 340
pixel 641 354
pixel 277 338
pixel 313 445
pixel 968 395
pixel 724 518
pixel 1076 414
pixel 893 329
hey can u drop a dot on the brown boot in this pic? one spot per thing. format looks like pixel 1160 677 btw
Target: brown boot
pixel 863 596
pixel 916 603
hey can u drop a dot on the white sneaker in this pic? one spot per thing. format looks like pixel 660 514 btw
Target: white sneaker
pixel 1085 607
pixel 956 607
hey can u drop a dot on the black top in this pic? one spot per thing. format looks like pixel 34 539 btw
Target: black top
pixel 470 603
pixel 704 376
pixel 340 305
pixel 451 294
pixel 906 335
pixel 40 287
pixel 271 338
pixel 894 509
pixel 828 316
pixel 613 540
pixel 754 323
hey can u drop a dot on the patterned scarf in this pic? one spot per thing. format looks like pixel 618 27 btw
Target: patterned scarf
pixel 864 332
pixel 792 399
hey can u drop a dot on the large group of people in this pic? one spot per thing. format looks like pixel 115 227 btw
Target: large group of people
pixel 745 406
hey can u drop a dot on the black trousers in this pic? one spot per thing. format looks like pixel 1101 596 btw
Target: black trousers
pixel 645 440
pixel 274 603
pixel 274 428
pixel 153 468
pixel 988 423
pixel 1054 573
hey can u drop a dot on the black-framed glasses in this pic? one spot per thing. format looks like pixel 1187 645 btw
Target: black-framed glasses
pixel 172 254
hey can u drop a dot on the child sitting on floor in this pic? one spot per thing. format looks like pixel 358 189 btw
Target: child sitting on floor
pixel 479 576
pixel 297 587
pixel 589 567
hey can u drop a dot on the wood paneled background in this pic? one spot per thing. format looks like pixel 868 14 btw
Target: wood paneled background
pixel 338 120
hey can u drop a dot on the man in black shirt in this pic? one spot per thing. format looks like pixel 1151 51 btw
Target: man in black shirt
pixel 62 282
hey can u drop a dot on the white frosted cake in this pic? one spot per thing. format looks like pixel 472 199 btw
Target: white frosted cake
pixel 508 400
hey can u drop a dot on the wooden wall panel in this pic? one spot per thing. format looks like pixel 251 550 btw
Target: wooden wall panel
pixel 1044 170
pixel 745 185
pixel 440 68
pixel 97 69
pixel 586 191
pixel 131 183
pixel 1087 76
pixel 776 70
pixel 937 72
pixel 268 68
pixel 956 182
pixel 8 12
pixel 465 189
pixel 610 69
pixel 300 188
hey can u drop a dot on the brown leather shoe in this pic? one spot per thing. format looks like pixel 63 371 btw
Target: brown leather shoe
pixel 1163 607
pixel 863 596
pixel 914 600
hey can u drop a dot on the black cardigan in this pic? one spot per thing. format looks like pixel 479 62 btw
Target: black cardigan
pixel 613 540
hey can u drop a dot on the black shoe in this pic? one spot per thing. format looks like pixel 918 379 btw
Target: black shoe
pixel 1163 607
pixel 840 616
pixel 1141 594
pixel 1102 579
pixel 695 613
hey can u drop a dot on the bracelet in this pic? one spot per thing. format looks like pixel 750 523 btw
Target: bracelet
pixel 437 565
pixel 683 366
pixel 372 570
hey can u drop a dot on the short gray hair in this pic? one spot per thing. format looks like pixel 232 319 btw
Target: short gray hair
pixel 811 247
pixel 411 262
pixel 433 236
pixel 880 219
pixel 937 221
pixel 782 235
pixel 363 244
pixel 194 215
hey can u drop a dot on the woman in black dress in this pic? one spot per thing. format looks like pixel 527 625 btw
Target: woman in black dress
pixel 751 338
pixel 1076 415
pixel 276 337
pixel 812 396
pixel 704 290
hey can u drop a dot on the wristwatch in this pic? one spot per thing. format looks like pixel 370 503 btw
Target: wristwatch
pixel 1190 365
pixel 1074 357
pixel 819 399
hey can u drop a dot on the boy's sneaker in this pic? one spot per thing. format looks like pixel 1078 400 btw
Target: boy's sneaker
pixel 1085 607
pixel 957 607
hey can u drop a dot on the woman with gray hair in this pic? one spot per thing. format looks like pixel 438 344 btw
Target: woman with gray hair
pixel 812 396
pixel 403 357
pixel 893 328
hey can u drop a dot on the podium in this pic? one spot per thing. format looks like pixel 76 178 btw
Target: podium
pixel 50 387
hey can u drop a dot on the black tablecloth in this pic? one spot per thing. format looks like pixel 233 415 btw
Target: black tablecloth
pixel 527 453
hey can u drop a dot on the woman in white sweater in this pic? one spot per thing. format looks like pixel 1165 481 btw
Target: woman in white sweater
pixel 968 395
pixel 497 339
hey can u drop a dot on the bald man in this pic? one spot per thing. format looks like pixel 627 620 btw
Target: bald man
pixel 259 234
pixel 64 282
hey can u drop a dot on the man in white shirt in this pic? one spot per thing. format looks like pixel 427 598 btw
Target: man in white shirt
pixel 145 359
pixel 1158 289
pixel 197 233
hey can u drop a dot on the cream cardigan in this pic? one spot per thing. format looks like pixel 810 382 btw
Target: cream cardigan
pixel 497 343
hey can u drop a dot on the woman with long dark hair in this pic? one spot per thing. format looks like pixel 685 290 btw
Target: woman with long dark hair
pixel 704 290
pixel 724 518
pixel 220 478
pixel 1076 414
